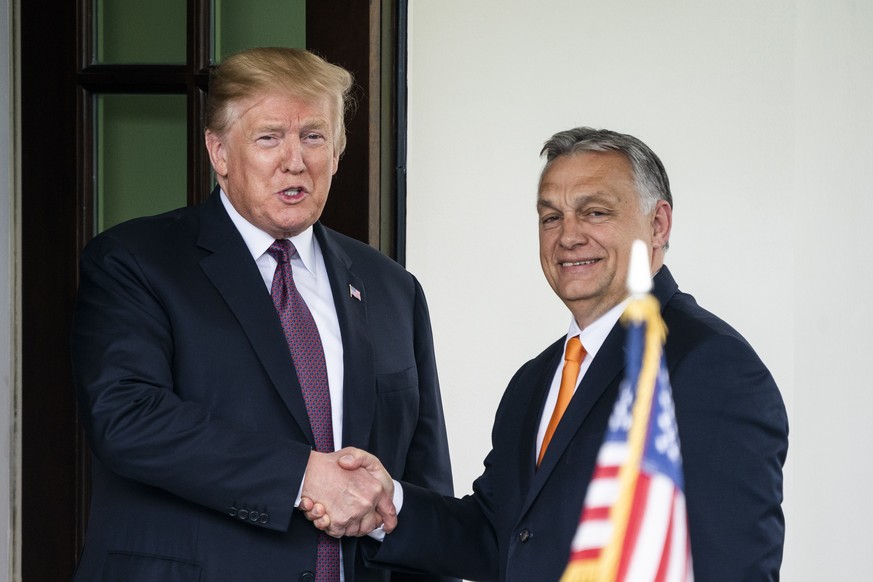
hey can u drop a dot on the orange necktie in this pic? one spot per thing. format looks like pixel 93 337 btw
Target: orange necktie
pixel 573 357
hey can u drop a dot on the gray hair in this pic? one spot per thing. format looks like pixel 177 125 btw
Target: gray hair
pixel 650 176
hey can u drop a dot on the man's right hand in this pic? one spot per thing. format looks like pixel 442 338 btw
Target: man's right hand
pixel 348 492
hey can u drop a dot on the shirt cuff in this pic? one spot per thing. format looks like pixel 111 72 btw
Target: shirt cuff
pixel 378 534
pixel 300 492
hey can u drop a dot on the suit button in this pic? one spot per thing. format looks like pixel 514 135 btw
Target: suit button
pixel 265 517
pixel 254 516
pixel 232 511
pixel 524 535
pixel 243 513
pixel 307 577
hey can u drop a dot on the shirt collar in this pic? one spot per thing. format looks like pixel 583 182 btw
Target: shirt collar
pixel 593 336
pixel 259 241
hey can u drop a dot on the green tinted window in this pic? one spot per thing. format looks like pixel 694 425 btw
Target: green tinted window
pixel 242 24
pixel 141 156
pixel 137 32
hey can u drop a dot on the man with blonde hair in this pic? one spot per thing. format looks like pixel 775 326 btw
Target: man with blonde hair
pixel 225 353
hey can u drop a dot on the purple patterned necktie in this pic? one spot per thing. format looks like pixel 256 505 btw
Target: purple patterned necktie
pixel 301 333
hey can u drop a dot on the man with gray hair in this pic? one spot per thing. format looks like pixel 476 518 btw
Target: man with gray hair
pixel 598 192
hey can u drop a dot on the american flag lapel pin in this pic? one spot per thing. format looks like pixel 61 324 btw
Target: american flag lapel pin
pixel 354 293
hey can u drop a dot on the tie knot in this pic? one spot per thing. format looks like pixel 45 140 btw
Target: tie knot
pixel 575 351
pixel 282 250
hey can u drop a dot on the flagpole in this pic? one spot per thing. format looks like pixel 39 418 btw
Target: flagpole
pixel 642 309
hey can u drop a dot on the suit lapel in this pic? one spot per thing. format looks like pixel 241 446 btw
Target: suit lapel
pixel 350 299
pixel 604 370
pixel 529 422
pixel 236 277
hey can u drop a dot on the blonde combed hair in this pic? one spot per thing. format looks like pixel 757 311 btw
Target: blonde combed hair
pixel 267 69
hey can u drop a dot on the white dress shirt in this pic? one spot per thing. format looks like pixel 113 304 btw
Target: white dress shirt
pixel 310 278
pixel 592 338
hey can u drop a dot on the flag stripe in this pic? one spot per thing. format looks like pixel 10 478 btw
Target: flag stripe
pixel 664 562
pixel 595 513
pixel 680 551
pixel 609 472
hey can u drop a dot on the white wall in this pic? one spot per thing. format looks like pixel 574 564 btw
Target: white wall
pixel 763 115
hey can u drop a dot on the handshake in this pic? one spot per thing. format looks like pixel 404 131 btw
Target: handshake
pixel 348 493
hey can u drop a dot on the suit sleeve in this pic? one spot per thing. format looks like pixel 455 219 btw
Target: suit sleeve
pixel 734 434
pixel 437 533
pixel 139 428
pixel 442 534
pixel 427 462
pixel 428 469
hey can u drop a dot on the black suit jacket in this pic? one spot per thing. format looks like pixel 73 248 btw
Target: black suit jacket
pixel 191 404
pixel 519 522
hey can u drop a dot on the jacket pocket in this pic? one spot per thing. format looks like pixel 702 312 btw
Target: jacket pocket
pixel 130 567
pixel 397 381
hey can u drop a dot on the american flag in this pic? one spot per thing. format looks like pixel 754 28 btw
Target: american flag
pixel 633 526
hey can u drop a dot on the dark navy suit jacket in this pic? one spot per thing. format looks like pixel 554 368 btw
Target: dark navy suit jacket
pixel 518 523
pixel 192 407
